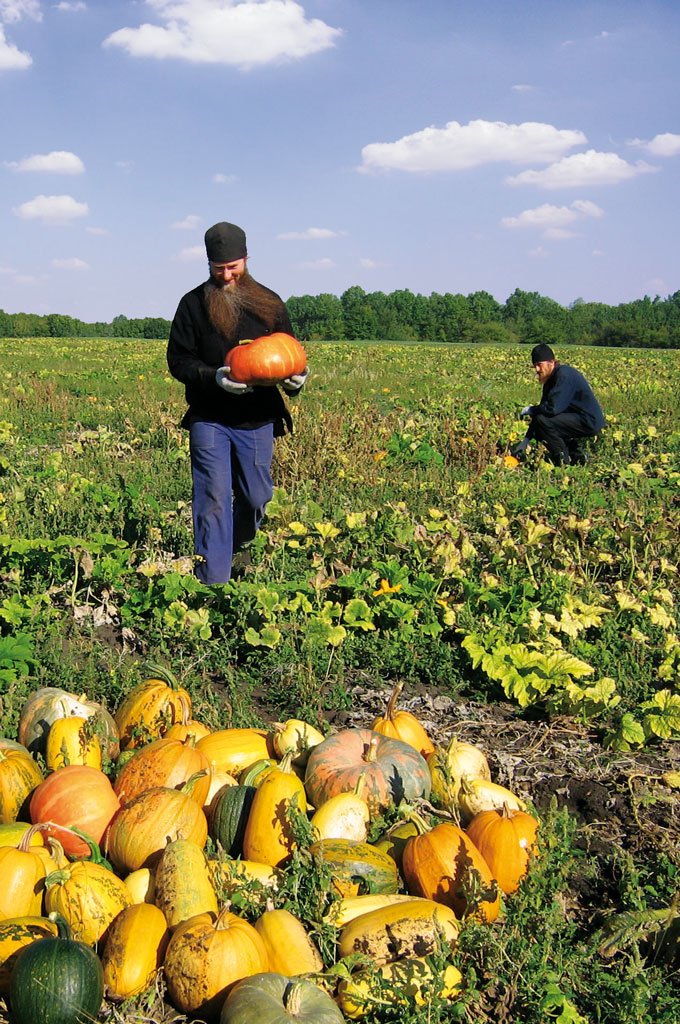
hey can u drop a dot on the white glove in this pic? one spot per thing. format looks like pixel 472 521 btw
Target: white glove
pixel 232 387
pixel 295 381
pixel 526 412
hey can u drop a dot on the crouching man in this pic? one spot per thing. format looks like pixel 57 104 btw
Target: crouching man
pixel 567 415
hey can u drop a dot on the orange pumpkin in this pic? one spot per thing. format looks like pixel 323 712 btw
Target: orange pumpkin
pixel 75 796
pixel 441 865
pixel 506 838
pixel 140 831
pixel 392 770
pixel 402 725
pixel 164 762
pixel 19 775
pixel 151 708
pixel 266 360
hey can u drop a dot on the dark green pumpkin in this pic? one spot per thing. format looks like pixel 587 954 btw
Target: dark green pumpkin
pixel 56 981
pixel 229 819
pixel 357 868
pixel 275 999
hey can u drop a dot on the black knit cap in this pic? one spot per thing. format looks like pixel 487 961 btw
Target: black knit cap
pixel 542 354
pixel 225 243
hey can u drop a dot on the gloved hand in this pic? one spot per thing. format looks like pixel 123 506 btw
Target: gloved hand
pixel 519 449
pixel 232 387
pixel 293 383
pixel 526 412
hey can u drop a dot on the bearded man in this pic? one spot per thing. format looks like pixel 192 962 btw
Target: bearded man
pixel 567 415
pixel 231 425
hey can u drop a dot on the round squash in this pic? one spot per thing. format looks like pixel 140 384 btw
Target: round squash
pixel 134 950
pixel 19 776
pixel 56 980
pixel 88 896
pixel 477 795
pixel 393 770
pixel 357 867
pixel 140 832
pixel 206 955
pixel 164 762
pixel 444 865
pixel 402 725
pixel 48 704
pixel 151 707
pixel 506 839
pixel 275 999
pixel 296 736
pixel 232 750
pixel 266 360
pixel 75 796
pixel 449 766
pixel 15 933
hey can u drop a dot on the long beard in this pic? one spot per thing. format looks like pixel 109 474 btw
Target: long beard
pixel 225 305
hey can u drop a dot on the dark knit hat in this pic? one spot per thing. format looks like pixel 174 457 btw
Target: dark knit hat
pixel 542 354
pixel 225 243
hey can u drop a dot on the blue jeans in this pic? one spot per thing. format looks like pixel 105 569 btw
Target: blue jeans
pixel 230 469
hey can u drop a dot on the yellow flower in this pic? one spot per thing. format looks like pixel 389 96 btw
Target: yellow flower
pixel 385 588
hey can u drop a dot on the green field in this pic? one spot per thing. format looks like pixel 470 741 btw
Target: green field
pixel 398 546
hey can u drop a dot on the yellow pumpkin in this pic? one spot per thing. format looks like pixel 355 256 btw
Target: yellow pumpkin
pixel 182 883
pixel 88 896
pixel 140 832
pixel 15 934
pixel 19 776
pixel 232 750
pixel 477 795
pixel 403 983
pixel 22 876
pixel 72 741
pixel 290 950
pixel 141 885
pixel 402 725
pixel 506 839
pixel 344 816
pixel 269 836
pixel 12 833
pixel 134 950
pixel 206 956
pixel 296 737
pixel 151 707
pixel 411 928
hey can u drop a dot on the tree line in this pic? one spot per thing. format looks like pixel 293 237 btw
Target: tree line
pixel 525 317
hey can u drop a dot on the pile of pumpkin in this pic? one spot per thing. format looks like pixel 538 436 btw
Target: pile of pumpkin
pixel 104 883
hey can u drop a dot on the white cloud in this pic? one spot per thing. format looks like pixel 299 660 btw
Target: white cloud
pixel 523 87
pixel 52 209
pixel 559 234
pixel 458 147
pixel 11 57
pixel 72 263
pixel 14 10
pixel 74 5
pixel 244 33
pixel 29 279
pixel 667 144
pixel 6 270
pixel 96 231
pixel 368 264
pixel 323 264
pixel 583 169
pixel 190 223
pixel 554 218
pixel 224 179
pixel 191 254
pixel 310 234
pixel 59 161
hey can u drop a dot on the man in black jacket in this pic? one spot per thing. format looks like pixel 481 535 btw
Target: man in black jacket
pixel 231 425
pixel 567 414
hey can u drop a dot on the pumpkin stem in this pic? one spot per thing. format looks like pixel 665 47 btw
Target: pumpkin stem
pixel 25 843
pixel 371 749
pixel 192 780
pixel 292 998
pixel 286 763
pixel 63 927
pixel 154 671
pixel 360 784
pixel 391 703
pixel 186 709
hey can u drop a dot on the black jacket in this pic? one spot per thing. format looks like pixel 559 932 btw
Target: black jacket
pixel 567 390
pixel 196 350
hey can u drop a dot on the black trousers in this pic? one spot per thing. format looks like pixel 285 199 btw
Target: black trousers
pixel 563 436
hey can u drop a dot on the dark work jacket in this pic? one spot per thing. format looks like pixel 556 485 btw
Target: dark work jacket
pixel 567 390
pixel 196 350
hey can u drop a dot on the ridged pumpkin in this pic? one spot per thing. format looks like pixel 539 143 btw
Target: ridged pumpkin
pixel 266 360
pixel 402 725
pixel 276 999
pixel 48 704
pixel 164 762
pixel 134 951
pixel 183 887
pixel 13 832
pixel 393 770
pixel 22 879
pixel 506 839
pixel 140 832
pixel 411 928
pixel 88 896
pixel 151 707
pixel 19 775
pixel 206 956
pixel 442 865
pixel 71 741
pixel 290 950
pixel 357 867
pixel 269 837
pixel 56 981
pixel 75 796
pixel 15 933
pixel 232 750
pixel 229 818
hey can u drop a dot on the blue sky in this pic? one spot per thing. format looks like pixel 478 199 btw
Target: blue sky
pixel 438 146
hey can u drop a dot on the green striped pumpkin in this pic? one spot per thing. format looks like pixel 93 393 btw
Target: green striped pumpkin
pixel 230 817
